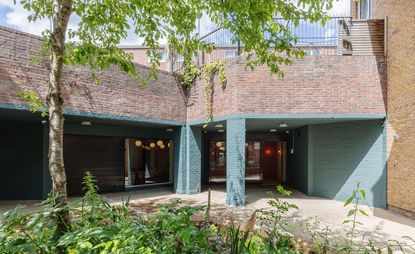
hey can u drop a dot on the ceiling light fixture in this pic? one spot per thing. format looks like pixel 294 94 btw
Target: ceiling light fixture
pixel 85 123
pixel 283 125
pixel 138 143
pixel 221 130
pixel 169 130
pixel 273 130
pixel 219 125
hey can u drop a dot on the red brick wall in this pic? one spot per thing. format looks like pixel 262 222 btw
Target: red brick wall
pixel 401 100
pixel 314 85
pixel 117 94
pixel 140 57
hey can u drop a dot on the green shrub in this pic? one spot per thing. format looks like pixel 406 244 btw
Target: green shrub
pixel 98 227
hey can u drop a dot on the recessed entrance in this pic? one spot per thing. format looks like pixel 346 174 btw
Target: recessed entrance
pixel 148 161
pixel 265 158
pixel 274 162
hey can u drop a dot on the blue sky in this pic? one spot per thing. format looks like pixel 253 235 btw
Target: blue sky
pixel 14 16
pixel 3 11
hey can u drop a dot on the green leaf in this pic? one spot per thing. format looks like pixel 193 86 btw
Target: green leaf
pixel 351 212
pixel 363 193
pixel 347 221
pixel 363 212
pixel 350 200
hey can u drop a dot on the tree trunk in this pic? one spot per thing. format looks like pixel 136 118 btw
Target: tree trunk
pixel 60 16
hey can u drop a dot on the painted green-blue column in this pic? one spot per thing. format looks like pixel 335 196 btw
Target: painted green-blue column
pixel 235 162
pixel 193 159
pixel 180 160
pixel 188 159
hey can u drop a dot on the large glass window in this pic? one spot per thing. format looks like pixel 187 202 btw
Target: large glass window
pixel 365 9
pixel 252 160
pixel 148 161
pixel 217 161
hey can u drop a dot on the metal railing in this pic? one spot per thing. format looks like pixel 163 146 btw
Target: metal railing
pixel 313 38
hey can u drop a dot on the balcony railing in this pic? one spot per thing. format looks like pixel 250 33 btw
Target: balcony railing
pixel 313 38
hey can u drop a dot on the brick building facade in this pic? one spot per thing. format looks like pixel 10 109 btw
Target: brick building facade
pixel 326 120
pixel 400 49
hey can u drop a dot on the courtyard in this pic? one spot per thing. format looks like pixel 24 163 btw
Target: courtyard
pixel 380 225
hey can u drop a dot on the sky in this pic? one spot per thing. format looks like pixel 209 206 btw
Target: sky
pixel 14 16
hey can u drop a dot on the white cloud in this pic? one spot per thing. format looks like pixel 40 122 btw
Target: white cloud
pixel 16 18
pixel 340 8
pixel 206 25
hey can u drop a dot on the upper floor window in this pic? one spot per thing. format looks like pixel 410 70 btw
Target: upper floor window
pixel 311 52
pixel 161 55
pixel 230 53
pixel 365 6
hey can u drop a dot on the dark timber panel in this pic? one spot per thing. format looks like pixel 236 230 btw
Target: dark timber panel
pixel 102 156
pixel 21 160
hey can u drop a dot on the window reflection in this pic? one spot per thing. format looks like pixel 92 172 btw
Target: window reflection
pixel 252 160
pixel 217 161
pixel 148 161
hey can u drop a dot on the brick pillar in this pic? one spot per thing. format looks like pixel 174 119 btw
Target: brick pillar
pixel 180 160
pixel 235 162
pixel 193 159
pixel 188 160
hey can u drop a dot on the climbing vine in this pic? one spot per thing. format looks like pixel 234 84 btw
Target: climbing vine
pixel 210 70
pixel 188 74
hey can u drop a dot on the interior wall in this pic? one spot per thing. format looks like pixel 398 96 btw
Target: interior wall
pixel 21 160
pixel 346 153
pixel 297 169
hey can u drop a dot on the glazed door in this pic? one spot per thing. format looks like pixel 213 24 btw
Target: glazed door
pixel 274 162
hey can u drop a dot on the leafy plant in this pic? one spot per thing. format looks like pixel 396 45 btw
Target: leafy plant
pixel 319 236
pixel 98 227
pixel 278 238
pixel 210 70
pixel 35 104
pixel 240 241
pixel 188 75
pixel 358 195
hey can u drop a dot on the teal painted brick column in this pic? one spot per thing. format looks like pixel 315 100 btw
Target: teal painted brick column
pixel 193 159
pixel 310 160
pixel 180 160
pixel 188 164
pixel 235 162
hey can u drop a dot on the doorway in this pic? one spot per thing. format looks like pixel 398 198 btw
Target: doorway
pixel 217 161
pixel 274 162
pixel 148 161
